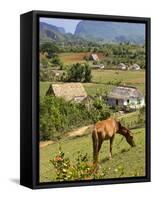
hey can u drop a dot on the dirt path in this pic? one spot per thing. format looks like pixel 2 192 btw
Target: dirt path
pixel 77 132
pixel 46 143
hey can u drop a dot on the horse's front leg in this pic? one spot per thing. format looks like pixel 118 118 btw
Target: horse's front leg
pixel 111 144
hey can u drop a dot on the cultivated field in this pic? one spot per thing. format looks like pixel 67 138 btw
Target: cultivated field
pixel 71 58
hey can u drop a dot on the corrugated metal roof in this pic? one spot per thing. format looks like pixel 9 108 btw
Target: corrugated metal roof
pixel 124 92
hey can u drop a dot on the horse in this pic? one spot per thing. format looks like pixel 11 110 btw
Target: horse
pixel 106 130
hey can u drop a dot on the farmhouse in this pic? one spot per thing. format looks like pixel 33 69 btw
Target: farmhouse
pixel 99 66
pixel 68 91
pixel 122 66
pixel 135 67
pixel 126 96
pixel 94 57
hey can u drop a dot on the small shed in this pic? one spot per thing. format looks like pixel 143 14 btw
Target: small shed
pixel 94 57
pixel 126 96
pixel 135 67
pixel 122 66
pixel 68 91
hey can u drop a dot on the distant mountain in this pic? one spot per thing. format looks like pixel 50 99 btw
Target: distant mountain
pixel 50 32
pixel 111 31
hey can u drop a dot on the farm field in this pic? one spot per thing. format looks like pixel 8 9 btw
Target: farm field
pixel 101 80
pixel 71 58
pixel 126 161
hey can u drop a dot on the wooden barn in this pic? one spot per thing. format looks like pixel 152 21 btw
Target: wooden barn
pixel 68 91
pixel 94 57
pixel 126 96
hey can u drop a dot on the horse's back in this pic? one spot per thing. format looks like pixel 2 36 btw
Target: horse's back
pixel 106 128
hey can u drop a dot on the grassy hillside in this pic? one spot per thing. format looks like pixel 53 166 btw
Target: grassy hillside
pixel 126 161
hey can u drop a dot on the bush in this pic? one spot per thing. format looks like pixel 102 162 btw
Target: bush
pixel 141 115
pixel 49 47
pixel 79 73
pixel 100 110
pixel 66 171
pixel 58 116
pixel 44 62
pixel 87 75
pixel 55 60
pixel 47 75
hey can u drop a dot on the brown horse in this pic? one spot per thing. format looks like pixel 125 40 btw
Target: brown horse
pixel 106 130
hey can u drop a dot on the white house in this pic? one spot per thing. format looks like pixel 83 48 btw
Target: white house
pixel 135 67
pixel 126 96
pixel 99 66
pixel 122 66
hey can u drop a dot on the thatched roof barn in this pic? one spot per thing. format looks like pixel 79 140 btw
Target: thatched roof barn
pixel 94 57
pixel 68 91
pixel 126 96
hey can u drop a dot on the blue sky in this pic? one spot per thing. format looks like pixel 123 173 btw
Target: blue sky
pixel 68 24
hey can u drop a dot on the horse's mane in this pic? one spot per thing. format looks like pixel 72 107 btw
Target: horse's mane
pixel 119 126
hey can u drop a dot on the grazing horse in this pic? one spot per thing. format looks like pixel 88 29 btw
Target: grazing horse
pixel 106 130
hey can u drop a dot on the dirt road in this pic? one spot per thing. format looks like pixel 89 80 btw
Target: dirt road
pixel 78 132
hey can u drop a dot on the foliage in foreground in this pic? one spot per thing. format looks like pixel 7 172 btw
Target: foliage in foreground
pixel 58 116
pixel 82 168
pixel 65 170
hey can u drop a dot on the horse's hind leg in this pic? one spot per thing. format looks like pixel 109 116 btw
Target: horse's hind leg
pixel 95 147
pixel 111 144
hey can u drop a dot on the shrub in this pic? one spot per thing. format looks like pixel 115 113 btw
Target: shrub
pixel 100 110
pixel 49 47
pixel 87 75
pixel 55 60
pixel 44 62
pixel 79 73
pixel 58 116
pixel 67 171
pixel 75 73
pixel 141 115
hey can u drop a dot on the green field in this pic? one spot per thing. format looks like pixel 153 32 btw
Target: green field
pixel 126 161
pixel 101 79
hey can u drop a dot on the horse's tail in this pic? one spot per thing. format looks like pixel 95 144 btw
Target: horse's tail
pixel 95 145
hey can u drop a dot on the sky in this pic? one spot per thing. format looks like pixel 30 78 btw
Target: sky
pixel 68 24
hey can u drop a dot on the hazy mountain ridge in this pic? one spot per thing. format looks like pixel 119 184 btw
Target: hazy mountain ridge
pixel 98 31
pixel 48 31
pixel 111 31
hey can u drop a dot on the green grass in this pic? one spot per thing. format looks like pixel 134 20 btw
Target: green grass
pixel 126 161
pixel 102 77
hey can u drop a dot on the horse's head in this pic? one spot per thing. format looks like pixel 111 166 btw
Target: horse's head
pixel 128 135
